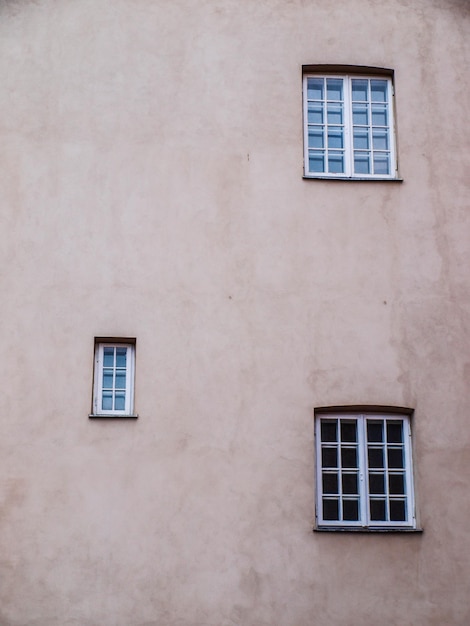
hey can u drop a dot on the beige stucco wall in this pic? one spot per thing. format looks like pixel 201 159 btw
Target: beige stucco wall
pixel 151 187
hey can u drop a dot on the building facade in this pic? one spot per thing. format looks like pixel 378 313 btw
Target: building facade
pixel 235 313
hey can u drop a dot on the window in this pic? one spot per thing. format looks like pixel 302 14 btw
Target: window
pixel 364 472
pixel 113 394
pixel 348 126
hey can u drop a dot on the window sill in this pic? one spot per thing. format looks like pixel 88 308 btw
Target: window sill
pixel 344 529
pixel 354 179
pixel 95 416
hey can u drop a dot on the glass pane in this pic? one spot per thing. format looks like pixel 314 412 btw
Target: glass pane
pixel 395 457
pixel 334 88
pixel 330 509
pixel 335 138
pixel 380 139
pixel 376 457
pixel 335 114
pixel 328 430
pixel 360 115
pixel 121 354
pixel 330 483
pixel 107 401
pixel 315 113
pixel 350 510
pixel 315 88
pixel 379 115
pixel 396 484
pixel 120 380
pixel 361 163
pixel 316 162
pixel 395 432
pixel 349 483
pixel 378 90
pixel 348 457
pixel 397 511
pixel 359 90
pixel 361 139
pixel 108 357
pixel 335 163
pixel 381 165
pixel 329 457
pixel 377 510
pixel 375 431
pixel 348 431
pixel 377 483
pixel 315 137
pixel 120 401
pixel 107 379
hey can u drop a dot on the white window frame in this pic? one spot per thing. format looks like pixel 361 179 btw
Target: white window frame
pixel 364 521
pixel 348 128
pixel 99 366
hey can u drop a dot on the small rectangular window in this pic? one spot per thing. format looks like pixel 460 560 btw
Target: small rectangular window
pixel 348 127
pixel 364 470
pixel 113 391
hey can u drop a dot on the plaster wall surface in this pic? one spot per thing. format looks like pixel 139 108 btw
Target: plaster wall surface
pixel 151 187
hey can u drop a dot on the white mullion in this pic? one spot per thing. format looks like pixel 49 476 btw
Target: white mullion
pixel 409 487
pixel 363 471
pixel 387 476
pixel 391 129
pixel 340 471
pixel 305 102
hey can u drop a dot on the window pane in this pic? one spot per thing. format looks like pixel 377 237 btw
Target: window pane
pixel 328 430
pixel 350 510
pixel 348 457
pixel 377 483
pixel 360 115
pixel 381 165
pixel 375 431
pixel 335 163
pixel 107 379
pixel 380 139
pixel 121 357
pixel 330 509
pixel 335 114
pixel 361 164
pixel 315 138
pixel 121 380
pixel 361 139
pixel 330 483
pixel 376 457
pixel 395 432
pixel 315 113
pixel 348 431
pixel 359 90
pixel 379 115
pixel 396 484
pixel 395 457
pixel 377 510
pixel 107 401
pixel 335 138
pixel 120 401
pixel 108 357
pixel 349 483
pixel 315 88
pixel 378 90
pixel 397 511
pixel 329 457
pixel 316 162
pixel 334 87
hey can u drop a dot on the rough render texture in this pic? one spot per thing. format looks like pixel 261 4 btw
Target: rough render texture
pixel 151 187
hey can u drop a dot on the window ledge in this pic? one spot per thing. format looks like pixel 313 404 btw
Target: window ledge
pixel 354 179
pixel 95 416
pixel 396 530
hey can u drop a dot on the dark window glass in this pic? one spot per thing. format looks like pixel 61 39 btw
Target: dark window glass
pixel 349 482
pixel 329 457
pixel 397 511
pixel 395 457
pixel 376 457
pixel 375 431
pixel 350 510
pixel 330 509
pixel 395 432
pixel 348 457
pixel 377 510
pixel 330 483
pixel 396 484
pixel 348 431
pixel 376 483
pixel 328 430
